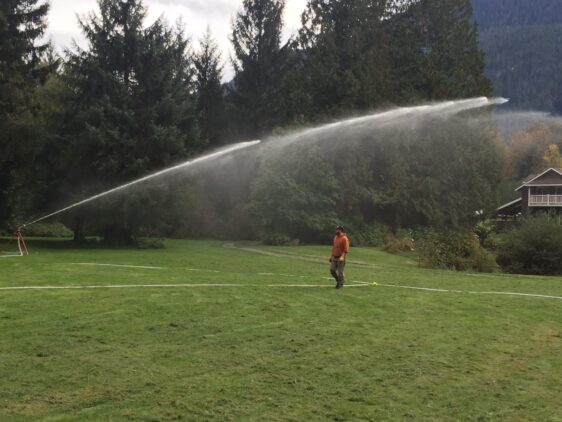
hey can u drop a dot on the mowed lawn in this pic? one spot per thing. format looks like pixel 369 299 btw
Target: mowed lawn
pixel 254 333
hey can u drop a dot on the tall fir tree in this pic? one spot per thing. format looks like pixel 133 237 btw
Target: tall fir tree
pixel 296 100
pixel 344 43
pixel 452 63
pixel 258 64
pixel 22 24
pixel 133 110
pixel 210 93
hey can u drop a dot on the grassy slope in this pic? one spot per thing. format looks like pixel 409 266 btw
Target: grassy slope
pixel 259 353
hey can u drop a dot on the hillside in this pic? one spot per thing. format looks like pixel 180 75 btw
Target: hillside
pixel 525 65
pixel 522 40
pixel 499 13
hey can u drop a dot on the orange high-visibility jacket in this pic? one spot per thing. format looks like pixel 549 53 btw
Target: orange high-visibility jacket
pixel 341 245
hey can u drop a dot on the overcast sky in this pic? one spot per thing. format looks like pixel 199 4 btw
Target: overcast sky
pixel 196 15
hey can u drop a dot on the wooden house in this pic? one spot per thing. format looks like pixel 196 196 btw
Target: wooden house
pixel 538 193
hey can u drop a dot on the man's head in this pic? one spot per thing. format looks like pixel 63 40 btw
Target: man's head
pixel 339 230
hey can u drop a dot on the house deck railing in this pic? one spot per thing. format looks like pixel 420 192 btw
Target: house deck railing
pixel 545 200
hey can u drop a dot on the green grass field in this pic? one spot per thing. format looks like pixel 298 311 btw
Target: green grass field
pixel 232 338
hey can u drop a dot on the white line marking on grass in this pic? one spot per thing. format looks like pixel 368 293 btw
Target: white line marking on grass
pixel 301 285
pixel 517 294
pixel 359 264
pixel 329 286
pixel 200 270
pixel 358 283
pixel 205 285
pixel 189 269
pixel 285 275
pixel 361 282
pixel 470 292
pixel 117 265
pixel 118 286
pixel 152 286
pixel 413 288
pixel 139 267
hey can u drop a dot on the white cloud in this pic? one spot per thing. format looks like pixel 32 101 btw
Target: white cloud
pixel 195 14
pixel 211 9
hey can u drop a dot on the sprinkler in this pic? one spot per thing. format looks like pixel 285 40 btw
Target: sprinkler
pixel 21 242
pixel 18 238
pixel 208 157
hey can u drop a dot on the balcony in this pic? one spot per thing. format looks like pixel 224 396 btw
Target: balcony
pixel 545 200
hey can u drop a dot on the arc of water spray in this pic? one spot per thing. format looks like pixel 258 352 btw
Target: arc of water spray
pixel 449 107
pixel 190 163
pixel 446 107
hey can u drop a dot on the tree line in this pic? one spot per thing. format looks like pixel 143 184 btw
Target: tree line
pixel 138 98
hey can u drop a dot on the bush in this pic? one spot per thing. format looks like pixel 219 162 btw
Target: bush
pixel 397 244
pixel 494 241
pixel 48 230
pixel 418 233
pixel 484 229
pixel 534 247
pixel 150 243
pixel 276 239
pixel 455 250
pixel 361 234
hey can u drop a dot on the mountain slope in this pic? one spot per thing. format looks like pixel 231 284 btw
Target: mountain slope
pixel 499 13
pixel 523 44
pixel 525 64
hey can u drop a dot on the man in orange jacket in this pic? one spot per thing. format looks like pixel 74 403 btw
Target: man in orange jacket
pixel 340 249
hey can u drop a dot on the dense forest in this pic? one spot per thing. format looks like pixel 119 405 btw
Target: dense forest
pixel 526 66
pixel 522 42
pixel 499 13
pixel 138 98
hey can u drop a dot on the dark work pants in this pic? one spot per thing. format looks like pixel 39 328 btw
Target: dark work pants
pixel 336 269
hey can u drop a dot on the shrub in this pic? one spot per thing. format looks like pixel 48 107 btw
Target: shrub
pixel 276 239
pixel 494 241
pixel 49 230
pixel 397 244
pixel 361 234
pixel 418 233
pixel 484 229
pixel 534 247
pixel 150 243
pixel 457 250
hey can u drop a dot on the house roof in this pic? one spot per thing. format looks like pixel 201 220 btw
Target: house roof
pixel 530 177
pixel 511 208
pixel 541 179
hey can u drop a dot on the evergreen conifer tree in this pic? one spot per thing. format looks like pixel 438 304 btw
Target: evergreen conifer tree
pixel 133 111
pixel 453 63
pixel 22 24
pixel 347 59
pixel 210 94
pixel 258 64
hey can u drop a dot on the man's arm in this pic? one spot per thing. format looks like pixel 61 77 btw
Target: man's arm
pixel 345 248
